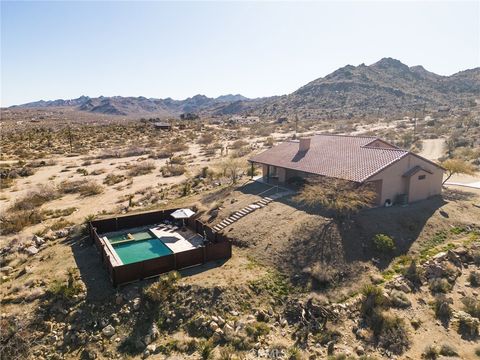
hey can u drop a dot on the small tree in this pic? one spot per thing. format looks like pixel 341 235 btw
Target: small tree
pixel 231 168
pixel 457 166
pixel 340 196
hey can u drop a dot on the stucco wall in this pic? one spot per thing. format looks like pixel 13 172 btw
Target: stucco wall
pixel 395 184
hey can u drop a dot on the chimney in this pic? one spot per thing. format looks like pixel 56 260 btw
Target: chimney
pixel 304 144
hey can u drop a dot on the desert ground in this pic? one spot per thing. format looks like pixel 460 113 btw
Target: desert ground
pixel 288 260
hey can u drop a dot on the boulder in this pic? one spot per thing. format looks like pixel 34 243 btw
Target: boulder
pixel 31 250
pixel 136 303
pixel 61 233
pixel 217 335
pixel 37 240
pixel 6 269
pixel 108 331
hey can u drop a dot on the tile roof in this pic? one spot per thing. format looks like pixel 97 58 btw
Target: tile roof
pixel 339 156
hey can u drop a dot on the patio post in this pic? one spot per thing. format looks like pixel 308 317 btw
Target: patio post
pixel 251 172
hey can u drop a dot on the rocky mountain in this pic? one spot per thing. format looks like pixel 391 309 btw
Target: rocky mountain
pixel 386 87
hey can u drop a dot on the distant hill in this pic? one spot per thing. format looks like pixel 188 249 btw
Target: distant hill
pixel 118 105
pixel 384 88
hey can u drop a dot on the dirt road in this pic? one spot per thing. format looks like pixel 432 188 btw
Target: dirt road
pixel 433 149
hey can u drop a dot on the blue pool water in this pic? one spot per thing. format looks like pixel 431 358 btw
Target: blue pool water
pixel 139 250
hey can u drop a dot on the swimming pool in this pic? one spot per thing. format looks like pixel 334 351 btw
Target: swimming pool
pixel 139 250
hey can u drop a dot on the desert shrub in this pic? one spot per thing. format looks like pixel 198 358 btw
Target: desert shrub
pixel 384 244
pixel 163 288
pixel 227 353
pixel 18 220
pixel 471 306
pixel 82 171
pixel 205 349
pixel 65 290
pixel 325 336
pixel 162 154
pixel 324 275
pixel 439 285
pixel 448 350
pixel 71 187
pixel 91 188
pixel 269 141
pixel 414 274
pixel 468 326
pixel 84 188
pixel 206 139
pixel 477 351
pixel 238 144
pixel 373 299
pixel 294 353
pixel 141 169
pixel 244 151
pixel 476 256
pixel 112 179
pixel 441 305
pixel 97 172
pixel 176 145
pixel 399 300
pixel 474 278
pixel 172 170
pixel 391 334
pixel 36 198
pixel 431 352
pixel 177 160
pixel 56 213
pixel 341 197
pixel 257 329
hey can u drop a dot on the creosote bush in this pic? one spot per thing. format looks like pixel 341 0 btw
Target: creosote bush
pixel 172 170
pixel 141 169
pixel 474 278
pixel 439 285
pixel 112 179
pixel 442 308
pixel 431 352
pixel 383 244
pixel 471 305
pixel 448 350
pixel 36 198
pixel 389 330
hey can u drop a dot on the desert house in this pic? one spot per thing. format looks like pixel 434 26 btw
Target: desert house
pixel 398 176
pixel 162 126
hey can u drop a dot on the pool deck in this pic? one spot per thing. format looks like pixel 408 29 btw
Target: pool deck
pixel 115 259
pixel 178 240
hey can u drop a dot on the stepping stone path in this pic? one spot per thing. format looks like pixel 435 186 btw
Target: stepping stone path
pixel 249 209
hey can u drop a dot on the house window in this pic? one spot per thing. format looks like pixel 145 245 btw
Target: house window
pixel 422 177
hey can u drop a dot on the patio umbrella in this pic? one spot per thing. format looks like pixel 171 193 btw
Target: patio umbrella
pixel 182 214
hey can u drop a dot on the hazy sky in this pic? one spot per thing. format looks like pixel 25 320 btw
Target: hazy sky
pixel 66 49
